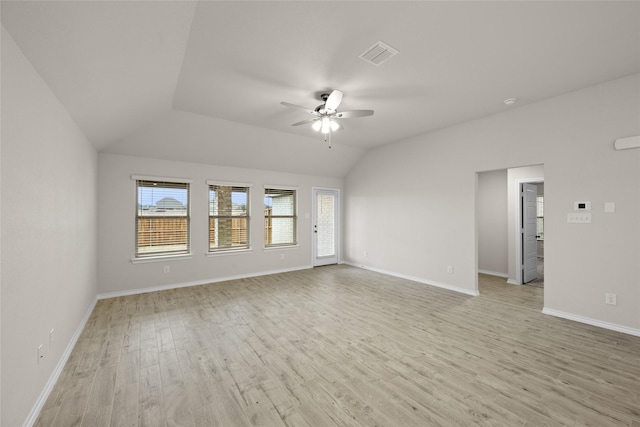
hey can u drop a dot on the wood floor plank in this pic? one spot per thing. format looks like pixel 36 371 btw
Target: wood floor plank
pixel 224 410
pixel 342 346
pixel 100 400
pixel 151 398
pixel 177 406
pixel 125 405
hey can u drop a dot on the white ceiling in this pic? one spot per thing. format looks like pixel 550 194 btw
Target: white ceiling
pixel 137 76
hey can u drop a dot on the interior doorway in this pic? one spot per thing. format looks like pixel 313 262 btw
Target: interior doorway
pixel 533 176
pixel 532 233
pixel 499 224
pixel 538 281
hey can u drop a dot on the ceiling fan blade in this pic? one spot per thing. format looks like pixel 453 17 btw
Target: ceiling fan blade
pixel 308 110
pixel 353 113
pixel 333 101
pixel 303 122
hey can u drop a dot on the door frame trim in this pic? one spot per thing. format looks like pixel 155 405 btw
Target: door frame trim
pixel 338 209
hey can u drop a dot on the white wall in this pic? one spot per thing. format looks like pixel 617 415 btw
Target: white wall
pixel 411 205
pixel 492 222
pixel 49 230
pixel 117 199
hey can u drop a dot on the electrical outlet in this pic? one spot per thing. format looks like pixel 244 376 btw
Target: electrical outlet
pixel 365 254
pixel 166 269
pixel 51 332
pixel 450 269
pixel 610 299
pixel 281 257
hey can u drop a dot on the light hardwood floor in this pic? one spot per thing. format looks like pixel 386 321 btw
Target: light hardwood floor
pixel 342 346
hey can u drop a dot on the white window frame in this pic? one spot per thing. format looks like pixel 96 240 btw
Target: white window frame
pixel 296 191
pixel 226 250
pixel 156 256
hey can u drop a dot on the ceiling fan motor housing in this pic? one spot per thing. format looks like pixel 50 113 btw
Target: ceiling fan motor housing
pixel 320 109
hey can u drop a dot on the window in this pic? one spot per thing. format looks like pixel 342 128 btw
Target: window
pixel 228 217
pixel 162 217
pixel 279 217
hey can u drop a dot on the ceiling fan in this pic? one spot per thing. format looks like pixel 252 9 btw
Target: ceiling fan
pixel 325 115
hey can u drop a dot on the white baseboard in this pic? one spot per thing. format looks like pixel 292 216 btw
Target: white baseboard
pixel 513 282
pixel 418 279
pixel 196 283
pixel 593 322
pixel 44 395
pixel 494 273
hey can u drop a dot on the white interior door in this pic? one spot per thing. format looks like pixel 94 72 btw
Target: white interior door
pixel 325 226
pixel 529 241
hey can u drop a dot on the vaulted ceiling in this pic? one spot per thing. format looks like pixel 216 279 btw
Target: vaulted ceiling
pixel 203 81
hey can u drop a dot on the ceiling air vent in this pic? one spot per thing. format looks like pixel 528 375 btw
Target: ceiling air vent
pixel 378 53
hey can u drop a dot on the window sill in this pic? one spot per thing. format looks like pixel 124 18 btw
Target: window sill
pixel 160 258
pixel 228 252
pixel 279 248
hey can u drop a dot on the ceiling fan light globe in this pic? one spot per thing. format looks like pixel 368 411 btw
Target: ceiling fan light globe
pixel 334 126
pixel 317 125
pixel 326 125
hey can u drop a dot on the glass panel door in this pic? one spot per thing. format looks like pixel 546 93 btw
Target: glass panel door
pixel 325 227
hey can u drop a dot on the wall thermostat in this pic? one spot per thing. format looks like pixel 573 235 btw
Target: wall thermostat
pixel 581 206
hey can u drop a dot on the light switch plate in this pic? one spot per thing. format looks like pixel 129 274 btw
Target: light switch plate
pixel 579 218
